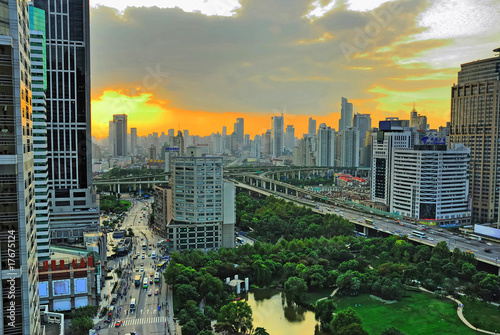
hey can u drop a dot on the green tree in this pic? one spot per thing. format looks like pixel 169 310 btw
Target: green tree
pixel 323 311
pixel 190 328
pixel 343 319
pixel 186 292
pixel 352 329
pixel 206 332
pixel 295 289
pixel 260 331
pixel 237 316
pixel 81 325
pixel 392 331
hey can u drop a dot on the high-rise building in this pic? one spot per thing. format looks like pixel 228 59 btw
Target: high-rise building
pixel 304 154
pixel 277 135
pixel 312 127
pixel 19 280
pixel 326 146
pixel 119 135
pixel 267 143
pixel 362 122
pixel 345 114
pixel 418 121
pixel 392 134
pixel 38 86
pixel 350 147
pixel 290 137
pixel 474 111
pixel 171 132
pixel 199 180
pixel 74 206
pixel 133 141
pixel 224 131
pixel 415 193
pixel 239 129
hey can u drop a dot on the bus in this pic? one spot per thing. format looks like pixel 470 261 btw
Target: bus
pixel 144 246
pixel 158 244
pixel 157 277
pixel 132 306
pixel 145 282
pixel 475 237
pixel 417 233
pixel 153 255
pixel 137 280
pixel 368 221
pixel 357 234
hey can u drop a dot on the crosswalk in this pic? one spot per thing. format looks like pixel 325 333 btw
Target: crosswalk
pixel 143 321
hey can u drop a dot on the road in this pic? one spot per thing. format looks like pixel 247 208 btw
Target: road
pixel 150 316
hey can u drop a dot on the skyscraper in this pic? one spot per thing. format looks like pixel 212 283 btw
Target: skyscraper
pixel 74 209
pixel 312 127
pixel 39 85
pixel 239 129
pixel 474 112
pixel 326 146
pixel 290 137
pixel 120 135
pixel 345 114
pixel 418 121
pixel 277 135
pixel 350 147
pixel 363 122
pixel 133 141
pixel 19 280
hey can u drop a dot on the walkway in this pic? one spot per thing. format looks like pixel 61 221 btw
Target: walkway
pixel 460 308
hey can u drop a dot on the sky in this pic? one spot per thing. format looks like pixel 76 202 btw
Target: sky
pixel 200 64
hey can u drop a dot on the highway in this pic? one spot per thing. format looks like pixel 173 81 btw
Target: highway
pixel 147 317
pixel 433 236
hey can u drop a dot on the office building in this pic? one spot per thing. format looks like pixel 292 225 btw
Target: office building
pixel 74 206
pixel 391 134
pixel 19 282
pixel 239 130
pixel 38 86
pixel 326 146
pixel 203 205
pixel 474 111
pixel 415 193
pixel 304 154
pixel 311 127
pixel 119 139
pixel 350 147
pixel 418 121
pixel 277 135
pixel 133 141
pixel 362 122
pixel 289 137
pixel 266 143
pixel 345 114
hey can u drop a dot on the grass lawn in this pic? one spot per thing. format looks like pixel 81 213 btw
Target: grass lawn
pixel 314 296
pixel 481 315
pixel 419 313
pixel 126 202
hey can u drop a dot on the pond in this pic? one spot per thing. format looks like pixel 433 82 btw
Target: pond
pixel 278 318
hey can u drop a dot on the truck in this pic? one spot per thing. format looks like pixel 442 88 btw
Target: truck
pixel 137 280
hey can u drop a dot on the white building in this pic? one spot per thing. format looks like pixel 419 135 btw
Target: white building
pixel 203 205
pixel 350 147
pixel 277 136
pixel 430 184
pixel 326 146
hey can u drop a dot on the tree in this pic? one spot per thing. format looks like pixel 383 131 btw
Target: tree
pixel 206 332
pixel 441 250
pixel 295 289
pixel 343 319
pixel 323 312
pixel 186 292
pixel 190 328
pixel 237 316
pixel 352 329
pixel 260 331
pixel 392 331
pixel 81 325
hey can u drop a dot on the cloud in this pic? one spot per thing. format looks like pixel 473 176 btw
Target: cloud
pixel 270 54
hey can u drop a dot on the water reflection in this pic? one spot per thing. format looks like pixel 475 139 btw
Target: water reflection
pixel 272 312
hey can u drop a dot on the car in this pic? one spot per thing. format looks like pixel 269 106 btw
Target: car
pixel 134 333
pixel 430 239
pixel 489 244
pixel 468 251
pixel 150 244
pixel 487 250
pixel 138 254
pixel 142 264
pixel 142 256
pixel 118 323
pixel 135 257
pixel 142 238
pixel 142 269
pixel 144 252
pixel 136 269
pixel 151 281
pixel 156 292
pixel 151 274
pixel 149 293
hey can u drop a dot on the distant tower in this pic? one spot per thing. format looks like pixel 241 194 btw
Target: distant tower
pixel 345 114
pixel 312 126
pixel 120 135
pixel 277 135
pixel 418 121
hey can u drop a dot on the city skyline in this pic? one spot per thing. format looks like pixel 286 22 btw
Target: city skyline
pixel 254 63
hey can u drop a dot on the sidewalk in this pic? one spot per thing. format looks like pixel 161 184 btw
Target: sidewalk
pixel 460 308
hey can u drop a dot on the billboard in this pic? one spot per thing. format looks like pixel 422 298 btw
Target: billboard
pixel 488 231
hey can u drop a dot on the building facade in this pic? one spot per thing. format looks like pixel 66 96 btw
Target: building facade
pixel 74 208
pixel 239 129
pixel 326 146
pixel 350 147
pixel 475 112
pixel 277 135
pixel 120 135
pixel 38 87
pixel 430 184
pixel 345 120
pixel 418 121
pixel 202 205
pixel 311 129
pixel 289 137
pixel 19 282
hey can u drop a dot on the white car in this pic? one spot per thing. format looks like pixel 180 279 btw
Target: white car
pixel 142 269
pixel 430 239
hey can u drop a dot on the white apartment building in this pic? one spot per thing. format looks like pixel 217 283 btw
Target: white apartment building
pixel 326 146
pixel 430 184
